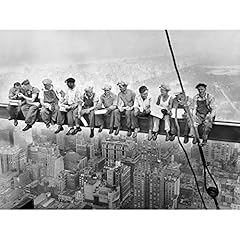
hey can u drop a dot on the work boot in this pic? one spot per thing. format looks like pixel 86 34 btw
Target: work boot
pixel 69 132
pixel 135 132
pixel 194 141
pixel 204 142
pixel 154 136
pixel 100 129
pixel 117 131
pixel 27 127
pixel 167 137
pixel 172 137
pixel 186 139
pixel 111 131
pixel 60 128
pixel 15 122
pixel 129 133
pixel 150 135
pixel 92 133
pixel 75 131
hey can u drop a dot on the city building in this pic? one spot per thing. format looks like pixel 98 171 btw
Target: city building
pixel 72 179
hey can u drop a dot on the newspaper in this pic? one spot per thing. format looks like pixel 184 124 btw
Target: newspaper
pixel 180 112
pixel 15 102
pixel 100 112
pixel 156 112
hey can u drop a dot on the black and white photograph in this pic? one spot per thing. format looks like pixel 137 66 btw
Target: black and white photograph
pixel 119 119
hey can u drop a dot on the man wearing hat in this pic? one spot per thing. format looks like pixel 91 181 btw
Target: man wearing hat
pixel 142 108
pixel 126 98
pixel 31 105
pixel 204 111
pixel 87 108
pixel 164 103
pixel 14 107
pixel 71 102
pixel 109 101
pixel 49 102
pixel 180 101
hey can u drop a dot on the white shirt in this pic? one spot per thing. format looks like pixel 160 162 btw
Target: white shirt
pixel 142 104
pixel 72 95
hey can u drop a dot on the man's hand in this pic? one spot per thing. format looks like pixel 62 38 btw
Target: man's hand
pixel 147 111
pixel 164 111
pixel 87 111
pixel 20 95
pixel 209 117
pixel 67 107
pixel 128 108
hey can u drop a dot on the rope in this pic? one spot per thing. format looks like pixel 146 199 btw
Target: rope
pixel 189 163
pixel 212 192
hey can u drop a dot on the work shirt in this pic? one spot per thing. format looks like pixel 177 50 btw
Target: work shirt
pixel 72 96
pixel 164 104
pixel 142 104
pixel 181 104
pixel 32 90
pixel 88 102
pixel 49 96
pixel 13 93
pixel 126 99
pixel 209 102
pixel 107 101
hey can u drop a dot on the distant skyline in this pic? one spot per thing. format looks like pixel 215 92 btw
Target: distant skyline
pixel 67 46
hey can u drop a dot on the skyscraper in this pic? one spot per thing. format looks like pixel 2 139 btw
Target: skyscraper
pixel 55 165
pixel 22 139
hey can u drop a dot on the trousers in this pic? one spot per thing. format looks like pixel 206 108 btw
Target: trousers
pixel 30 113
pixel 71 117
pixel 156 123
pixel 136 113
pixel 49 116
pixel 13 111
pixel 94 120
pixel 114 115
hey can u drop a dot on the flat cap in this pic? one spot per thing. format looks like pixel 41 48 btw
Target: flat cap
pixel 88 89
pixel 107 87
pixel 122 83
pixel 201 85
pixel 178 93
pixel 47 81
pixel 69 80
pixel 25 82
pixel 165 87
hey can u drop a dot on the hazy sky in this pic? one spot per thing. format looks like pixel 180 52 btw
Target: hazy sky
pixel 26 47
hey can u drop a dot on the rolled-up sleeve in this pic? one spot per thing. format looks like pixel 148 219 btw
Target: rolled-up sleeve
pixel 212 105
pixel 12 95
pixel 136 103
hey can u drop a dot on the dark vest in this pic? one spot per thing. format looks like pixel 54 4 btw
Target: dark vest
pixel 28 93
pixel 50 96
pixel 88 102
pixel 202 107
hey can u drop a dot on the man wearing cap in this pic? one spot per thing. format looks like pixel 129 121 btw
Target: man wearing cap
pixel 71 102
pixel 126 98
pixel 182 102
pixel 204 111
pixel 87 108
pixel 142 108
pixel 49 102
pixel 164 103
pixel 31 105
pixel 13 109
pixel 109 101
